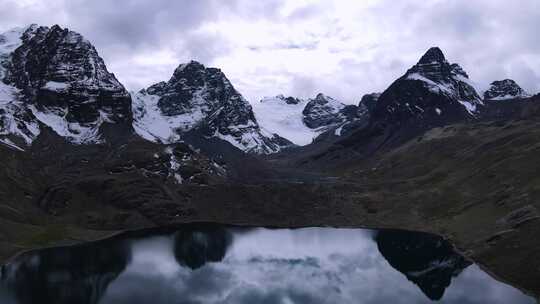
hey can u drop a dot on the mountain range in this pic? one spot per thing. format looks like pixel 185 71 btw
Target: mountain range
pixel 54 78
pixel 82 153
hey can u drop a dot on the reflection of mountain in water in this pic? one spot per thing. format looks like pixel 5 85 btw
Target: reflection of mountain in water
pixel 195 247
pixel 427 260
pixel 78 274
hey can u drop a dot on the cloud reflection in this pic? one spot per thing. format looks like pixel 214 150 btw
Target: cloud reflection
pixel 213 264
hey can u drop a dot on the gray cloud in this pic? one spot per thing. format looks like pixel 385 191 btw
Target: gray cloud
pixel 333 47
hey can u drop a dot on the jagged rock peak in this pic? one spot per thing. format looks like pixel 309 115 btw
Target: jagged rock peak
pixel 54 77
pixel 442 78
pixel 433 55
pixel 431 93
pixel 59 59
pixel 434 66
pixel 505 89
pixel 191 70
pixel 200 99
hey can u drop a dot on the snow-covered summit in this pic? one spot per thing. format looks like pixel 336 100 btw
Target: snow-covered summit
pixel 302 120
pixel 54 77
pixel 505 89
pixel 432 93
pixel 441 77
pixel 203 99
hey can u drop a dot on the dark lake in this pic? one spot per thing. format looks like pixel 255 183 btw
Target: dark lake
pixel 217 264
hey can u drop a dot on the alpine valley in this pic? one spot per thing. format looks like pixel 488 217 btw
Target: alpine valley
pixel 83 158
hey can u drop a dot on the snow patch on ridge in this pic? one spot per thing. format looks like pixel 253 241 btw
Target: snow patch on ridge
pixel 9 143
pixel 56 86
pixel 431 85
pixel 174 165
pixel 76 133
pixel 469 106
pixel 14 119
pixel 151 124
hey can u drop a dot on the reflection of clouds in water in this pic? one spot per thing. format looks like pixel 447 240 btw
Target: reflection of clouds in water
pixel 476 286
pixel 153 255
pixel 288 266
pixel 296 243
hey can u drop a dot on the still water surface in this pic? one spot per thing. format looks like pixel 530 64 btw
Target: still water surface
pixel 216 264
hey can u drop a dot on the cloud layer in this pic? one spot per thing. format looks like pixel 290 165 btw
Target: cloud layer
pixel 299 47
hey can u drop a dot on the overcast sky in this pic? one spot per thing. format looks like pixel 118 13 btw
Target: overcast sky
pixel 299 47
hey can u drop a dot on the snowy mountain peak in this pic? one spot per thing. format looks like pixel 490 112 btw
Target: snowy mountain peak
pixel 441 77
pixel 505 89
pixel 431 93
pixel 54 77
pixel 61 56
pixel 434 67
pixel 200 99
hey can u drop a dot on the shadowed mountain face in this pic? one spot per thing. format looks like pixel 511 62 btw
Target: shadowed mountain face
pixel 66 275
pixel 427 260
pixel 431 93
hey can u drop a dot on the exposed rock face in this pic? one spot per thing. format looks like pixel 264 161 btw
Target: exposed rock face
pixel 431 93
pixel 427 260
pixel 369 101
pixel 505 89
pixel 56 78
pixel 201 98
